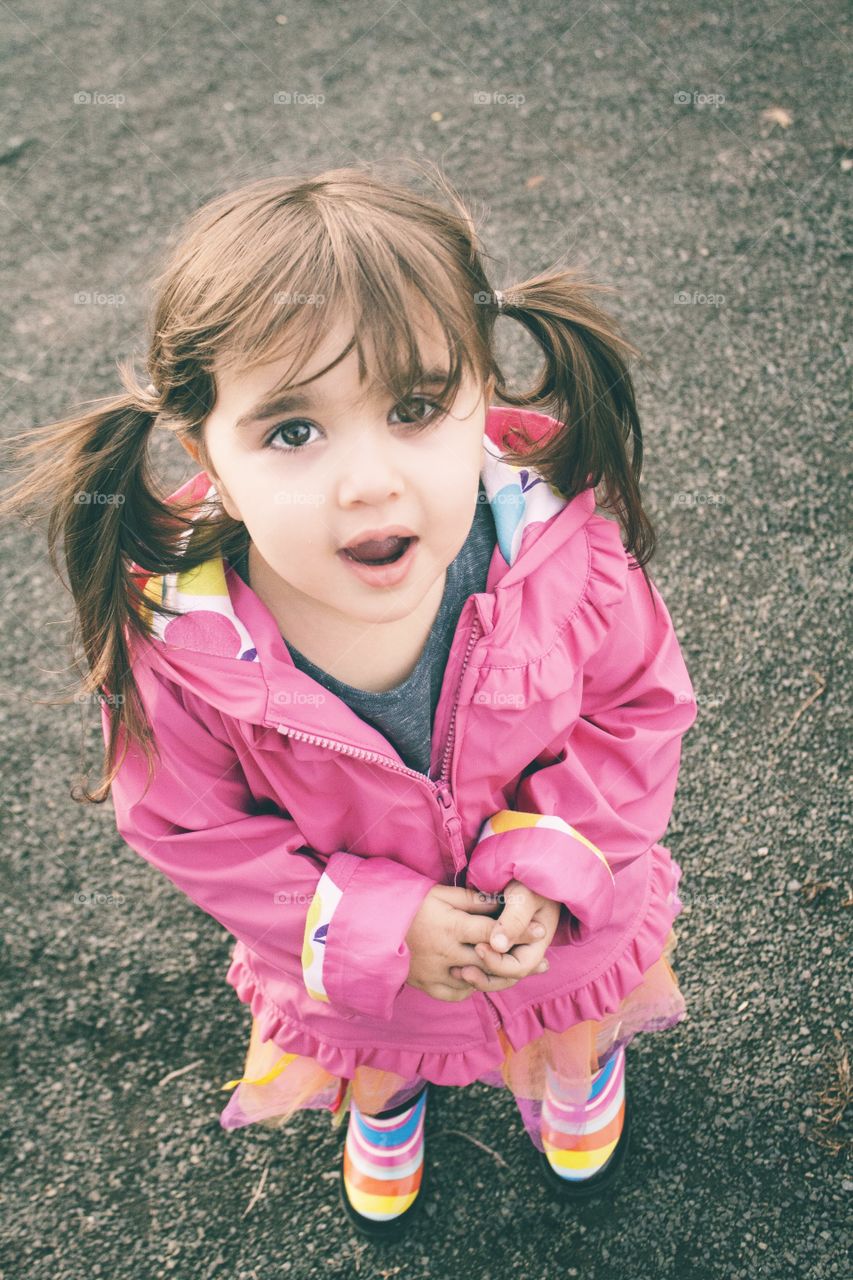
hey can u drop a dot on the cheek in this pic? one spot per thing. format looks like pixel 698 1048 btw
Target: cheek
pixel 226 473
pixel 230 506
pixel 450 525
pixel 289 534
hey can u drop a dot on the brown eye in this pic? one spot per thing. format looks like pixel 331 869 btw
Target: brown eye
pixel 291 445
pixel 420 418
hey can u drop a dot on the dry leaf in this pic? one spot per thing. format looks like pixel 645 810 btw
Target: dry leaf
pixel 778 115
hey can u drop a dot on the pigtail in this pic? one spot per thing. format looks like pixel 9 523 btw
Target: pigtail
pixel 585 385
pixel 91 478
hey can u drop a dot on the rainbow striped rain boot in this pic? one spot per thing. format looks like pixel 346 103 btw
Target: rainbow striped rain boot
pixel 383 1168
pixel 585 1144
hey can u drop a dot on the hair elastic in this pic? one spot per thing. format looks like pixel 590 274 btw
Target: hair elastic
pixel 150 393
pixel 500 299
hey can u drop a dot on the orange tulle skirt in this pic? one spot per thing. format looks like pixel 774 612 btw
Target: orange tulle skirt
pixel 276 1084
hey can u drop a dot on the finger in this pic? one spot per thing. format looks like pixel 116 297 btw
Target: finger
pixel 541 922
pixel 461 955
pixel 519 962
pixel 515 918
pixel 467 898
pixel 481 981
pixel 484 980
pixel 454 980
pixel 533 933
pixel 502 966
pixel 530 954
pixel 440 968
pixel 473 929
pixel 486 958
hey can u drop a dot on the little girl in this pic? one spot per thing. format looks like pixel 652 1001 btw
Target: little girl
pixel 383 689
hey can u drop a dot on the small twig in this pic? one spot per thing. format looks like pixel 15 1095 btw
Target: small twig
pixel 835 1099
pixel 358 1249
pixel 191 1066
pixel 811 888
pixel 808 702
pixel 477 1143
pixel 258 1191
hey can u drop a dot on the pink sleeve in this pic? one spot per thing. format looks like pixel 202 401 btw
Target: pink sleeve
pixel 607 796
pixel 339 921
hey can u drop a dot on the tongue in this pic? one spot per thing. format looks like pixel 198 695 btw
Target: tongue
pixel 378 550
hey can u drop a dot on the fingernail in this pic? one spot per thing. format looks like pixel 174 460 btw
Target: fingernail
pixel 538 931
pixel 544 967
pixel 499 940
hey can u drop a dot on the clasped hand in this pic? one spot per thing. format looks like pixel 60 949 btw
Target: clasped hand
pixel 458 946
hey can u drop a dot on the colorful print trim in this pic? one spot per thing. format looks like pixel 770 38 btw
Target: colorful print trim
pixel 508 820
pixel 519 497
pixel 327 895
pixel 207 622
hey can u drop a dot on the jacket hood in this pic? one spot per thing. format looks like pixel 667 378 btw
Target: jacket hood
pixel 223 626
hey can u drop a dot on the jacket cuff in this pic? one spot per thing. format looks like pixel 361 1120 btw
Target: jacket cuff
pixel 566 931
pixel 354 953
pixel 550 857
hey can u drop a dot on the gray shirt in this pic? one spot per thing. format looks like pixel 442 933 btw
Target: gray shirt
pixel 404 714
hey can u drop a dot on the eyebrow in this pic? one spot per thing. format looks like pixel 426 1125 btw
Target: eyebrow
pixel 293 400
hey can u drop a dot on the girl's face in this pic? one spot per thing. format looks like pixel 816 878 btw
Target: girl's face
pixel 310 478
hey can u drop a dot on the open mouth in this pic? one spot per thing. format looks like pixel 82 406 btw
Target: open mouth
pixel 378 553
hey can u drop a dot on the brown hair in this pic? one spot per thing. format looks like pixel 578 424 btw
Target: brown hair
pixel 234 291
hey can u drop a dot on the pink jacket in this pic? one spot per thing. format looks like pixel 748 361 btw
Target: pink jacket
pixel 297 826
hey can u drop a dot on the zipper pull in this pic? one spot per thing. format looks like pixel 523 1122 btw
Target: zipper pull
pixel 452 824
pixel 446 801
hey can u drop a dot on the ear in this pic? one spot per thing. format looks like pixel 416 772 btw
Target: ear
pixel 191 448
pixel 196 454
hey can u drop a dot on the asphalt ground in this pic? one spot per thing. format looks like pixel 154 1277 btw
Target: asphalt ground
pixel 698 160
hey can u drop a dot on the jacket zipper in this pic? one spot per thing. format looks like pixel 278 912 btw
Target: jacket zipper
pixel 444 783
pixel 452 822
pixel 496 1017
pixel 360 754
pixel 441 786
pixel 472 640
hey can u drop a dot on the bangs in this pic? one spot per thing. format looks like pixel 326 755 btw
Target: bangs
pixel 400 283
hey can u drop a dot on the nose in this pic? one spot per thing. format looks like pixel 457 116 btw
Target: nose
pixel 369 469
